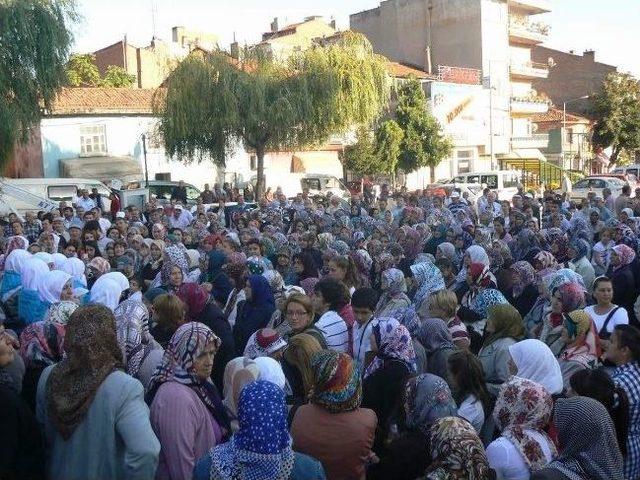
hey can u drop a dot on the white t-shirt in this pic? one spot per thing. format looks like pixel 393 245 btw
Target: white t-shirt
pixel 334 330
pixel 506 460
pixel 362 339
pixel 619 318
pixel 471 410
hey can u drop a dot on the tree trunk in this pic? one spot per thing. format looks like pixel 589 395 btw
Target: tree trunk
pixel 613 159
pixel 260 182
pixel 432 173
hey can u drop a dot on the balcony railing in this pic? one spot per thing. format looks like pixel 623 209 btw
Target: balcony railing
pixel 532 6
pixel 527 32
pixel 530 104
pixel 529 69
pixel 538 140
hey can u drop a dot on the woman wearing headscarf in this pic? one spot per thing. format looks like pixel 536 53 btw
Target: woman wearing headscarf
pixel 437 239
pixel 76 268
pixel 427 398
pixel 587 443
pixel 304 267
pixel 503 329
pixel 13 264
pixel 218 277
pixel 533 360
pixel 31 308
pixel 581 344
pixel 565 298
pixel 560 249
pixel 457 452
pixel 427 278
pixel 141 353
pixel 201 307
pixel 524 292
pixel 186 409
pixel 332 427
pixel 526 245
pixel 42 344
pixel 90 408
pixel 17 242
pixel 55 286
pixel 522 412
pixel 237 273
pixel 106 291
pixel 436 339
pixel 97 267
pixel 152 266
pixel 386 375
pixel 261 448
pixel 255 312
pixel 580 262
pixel 622 277
pixel 394 293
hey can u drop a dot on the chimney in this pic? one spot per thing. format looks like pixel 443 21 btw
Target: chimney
pixel 235 48
pixel 590 55
pixel 332 23
pixel 274 25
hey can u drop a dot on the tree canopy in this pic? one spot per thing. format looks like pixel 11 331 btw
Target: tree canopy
pixel 34 45
pixel 617 109
pixel 214 101
pixel 82 71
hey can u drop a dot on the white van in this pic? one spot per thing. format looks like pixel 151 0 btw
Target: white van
pixel 54 190
pixel 628 170
pixel 317 183
pixel 506 182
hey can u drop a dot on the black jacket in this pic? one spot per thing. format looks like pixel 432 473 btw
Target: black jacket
pixel 213 318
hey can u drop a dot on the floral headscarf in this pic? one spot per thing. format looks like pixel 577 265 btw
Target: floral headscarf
pixel 429 279
pixel 363 263
pixel 584 345
pixel 261 449
pixel 132 330
pixel 435 335
pixel 525 405
pixel 337 383
pixel 582 248
pixel 625 254
pixel 526 276
pixel 394 343
pixel 571 296
pixel 456 451
pixel 427 398
pixel 485 299
pixel 562 276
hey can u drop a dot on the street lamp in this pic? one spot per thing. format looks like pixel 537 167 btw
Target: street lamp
pixel 564 122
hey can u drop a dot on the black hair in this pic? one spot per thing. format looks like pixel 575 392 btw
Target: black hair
pixel 91 225
pixel 597 384
pixel 95 246
pixel 309 267
pixel 469 379
pixel 629 336
pixel 365 297
pixel 500 220
pixel 444 263
pixel 174 230
pixel 332 291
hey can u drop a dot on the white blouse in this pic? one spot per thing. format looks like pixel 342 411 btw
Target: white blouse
pixel 506 460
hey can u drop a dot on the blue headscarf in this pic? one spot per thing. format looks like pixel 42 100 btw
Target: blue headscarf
pixel 254 313
pixel 261 448
pixel 218 278
pixel 485 299
pixel 581 247
pixel 429 280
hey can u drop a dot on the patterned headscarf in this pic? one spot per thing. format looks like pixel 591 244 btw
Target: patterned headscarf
pixel 524 405
pixel 394 343
pixel 429 280
pixel 485 299
pixel 42 343
pixel 582 248
pixel 261 448
pixel 92 353
pixel 100 264
pixel 565 275
pixel 264 343
pixel 186 344
pixel 587 440
pixel 363 263
pixel 337 383
pixel 132 330
pixel 435 335
pixel 255 266
pixel 571 296
pixel 507 322
pixel 456 451
pixel 427 398
pixel 584 344
pixel 195 297
pixel 526 276
pixel 625 254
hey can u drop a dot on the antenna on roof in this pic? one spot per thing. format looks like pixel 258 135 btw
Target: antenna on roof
pixel 153 19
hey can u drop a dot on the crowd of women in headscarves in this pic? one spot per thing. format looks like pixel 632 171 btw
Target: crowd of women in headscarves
pixel 413 337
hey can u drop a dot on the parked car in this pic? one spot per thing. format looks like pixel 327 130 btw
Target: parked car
pixel 504 182
pixel 597 183
pixel 162 190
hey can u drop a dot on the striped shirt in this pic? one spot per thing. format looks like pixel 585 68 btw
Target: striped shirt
pixel 627 376
pixel 458 331
pixel 334 330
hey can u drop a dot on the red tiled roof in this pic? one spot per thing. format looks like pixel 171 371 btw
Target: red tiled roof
pixel 398 70
pixel 103 100
pixel 555 115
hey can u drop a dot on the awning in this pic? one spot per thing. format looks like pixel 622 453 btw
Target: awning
pixel 105 169
pixel 525 154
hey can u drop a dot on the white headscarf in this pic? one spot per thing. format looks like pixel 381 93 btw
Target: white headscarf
pixel 33 269
pixel 536 362
pixel 16 260
pixel 45 257
pixel 119 278
pixel 76 268
pixel 51 284
pixel 58 261
pixel 106 291
pixel 271 371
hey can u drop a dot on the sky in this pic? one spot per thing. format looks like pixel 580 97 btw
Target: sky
pixel 610 28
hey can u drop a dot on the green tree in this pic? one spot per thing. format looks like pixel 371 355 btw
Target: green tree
pixel 617 108
pixel 375 152
pixel 34 45
pixel 424 143
pixel 388 145
pixel 116 76
pixel 82 71
pixel 213 102
pixel 360 157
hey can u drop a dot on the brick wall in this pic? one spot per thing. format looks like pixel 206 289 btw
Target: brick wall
pixel 111 55
pixel 26 161
pixel 573 76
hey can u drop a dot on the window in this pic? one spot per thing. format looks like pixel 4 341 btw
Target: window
pixel 192 193
pixel 490 180
pixel 93 140
pixel 253 162
pixel 510 180
pixel 161 191
pixel 61 192
pixel 582 184
pixel 464 160
pixel 569 135
pixel 311 183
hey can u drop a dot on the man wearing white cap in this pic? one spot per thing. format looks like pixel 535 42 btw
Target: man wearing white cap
pixel 181 218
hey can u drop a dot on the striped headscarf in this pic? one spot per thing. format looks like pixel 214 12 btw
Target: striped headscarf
pixel 337 384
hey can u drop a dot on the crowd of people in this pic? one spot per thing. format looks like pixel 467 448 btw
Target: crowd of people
pixel 399 335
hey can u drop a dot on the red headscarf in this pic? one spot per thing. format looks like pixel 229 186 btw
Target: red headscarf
pixel 195 298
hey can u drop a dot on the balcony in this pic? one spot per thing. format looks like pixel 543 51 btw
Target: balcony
pixel 525 32
pixel 529 70
pixel 529 105
pixel 532 7
pixel 539 140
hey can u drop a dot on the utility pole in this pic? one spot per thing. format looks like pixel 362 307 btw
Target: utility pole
pixel 144 153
